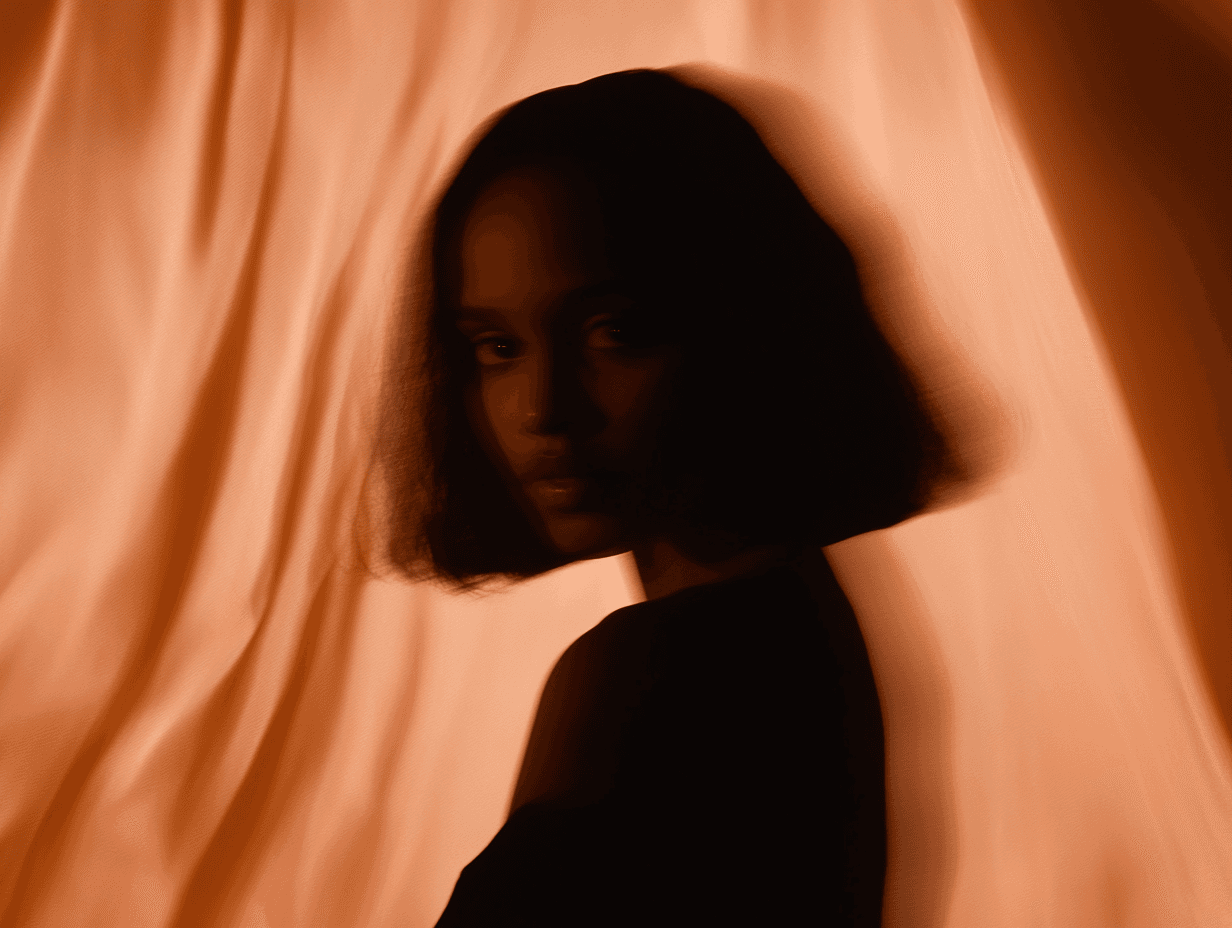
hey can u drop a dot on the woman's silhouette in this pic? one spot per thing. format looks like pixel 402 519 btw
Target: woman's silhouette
pixel 632 332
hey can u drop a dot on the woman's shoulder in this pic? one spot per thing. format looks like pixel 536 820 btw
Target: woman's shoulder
pixel 583 708
pixel 620 636
pixel 735 612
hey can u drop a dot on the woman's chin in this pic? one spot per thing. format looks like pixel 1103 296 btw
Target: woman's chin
pixel 585 535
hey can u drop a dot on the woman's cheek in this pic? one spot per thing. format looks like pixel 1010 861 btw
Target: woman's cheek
pixel 501 396
pixel 618 394
pixel 632 399
pixel 491 409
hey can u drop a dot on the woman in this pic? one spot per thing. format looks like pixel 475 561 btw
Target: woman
pixel 640 336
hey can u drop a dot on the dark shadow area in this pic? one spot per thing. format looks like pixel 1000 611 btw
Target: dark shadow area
pixel 980 428
pixel 984 439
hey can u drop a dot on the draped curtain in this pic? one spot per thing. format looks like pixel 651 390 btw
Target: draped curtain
pixel 212 713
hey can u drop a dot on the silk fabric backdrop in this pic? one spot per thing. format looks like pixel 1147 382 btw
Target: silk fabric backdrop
pixel 212 715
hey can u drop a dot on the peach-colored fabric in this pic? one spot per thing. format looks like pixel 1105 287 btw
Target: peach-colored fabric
pixel 211 715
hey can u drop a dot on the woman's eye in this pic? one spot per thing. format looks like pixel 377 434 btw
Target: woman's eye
pixel 606 336
pixel 495 350
pixel 613 334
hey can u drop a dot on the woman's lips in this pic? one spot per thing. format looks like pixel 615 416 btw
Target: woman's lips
pixel 559 492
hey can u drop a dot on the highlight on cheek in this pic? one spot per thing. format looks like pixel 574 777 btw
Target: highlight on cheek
pixel 507 403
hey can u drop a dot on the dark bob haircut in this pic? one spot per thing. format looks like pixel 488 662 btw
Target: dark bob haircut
pixel 793 421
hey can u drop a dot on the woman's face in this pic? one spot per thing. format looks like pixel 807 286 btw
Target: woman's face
pixel 570 381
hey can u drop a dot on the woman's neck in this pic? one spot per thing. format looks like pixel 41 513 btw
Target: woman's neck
pixel 665 569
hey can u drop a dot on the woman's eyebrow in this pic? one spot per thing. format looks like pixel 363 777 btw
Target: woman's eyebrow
pixel 578 300
pixel 477 314
pixel 482 315
pixel 590 291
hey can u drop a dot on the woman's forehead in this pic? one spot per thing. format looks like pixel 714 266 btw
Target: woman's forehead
pixel 529 238
pixel 548 196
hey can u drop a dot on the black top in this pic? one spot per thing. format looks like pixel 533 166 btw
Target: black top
pixel 713 757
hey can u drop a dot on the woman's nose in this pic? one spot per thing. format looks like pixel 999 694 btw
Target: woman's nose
pixel 556 400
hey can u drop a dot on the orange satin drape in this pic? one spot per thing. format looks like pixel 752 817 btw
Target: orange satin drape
pixel 209 712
